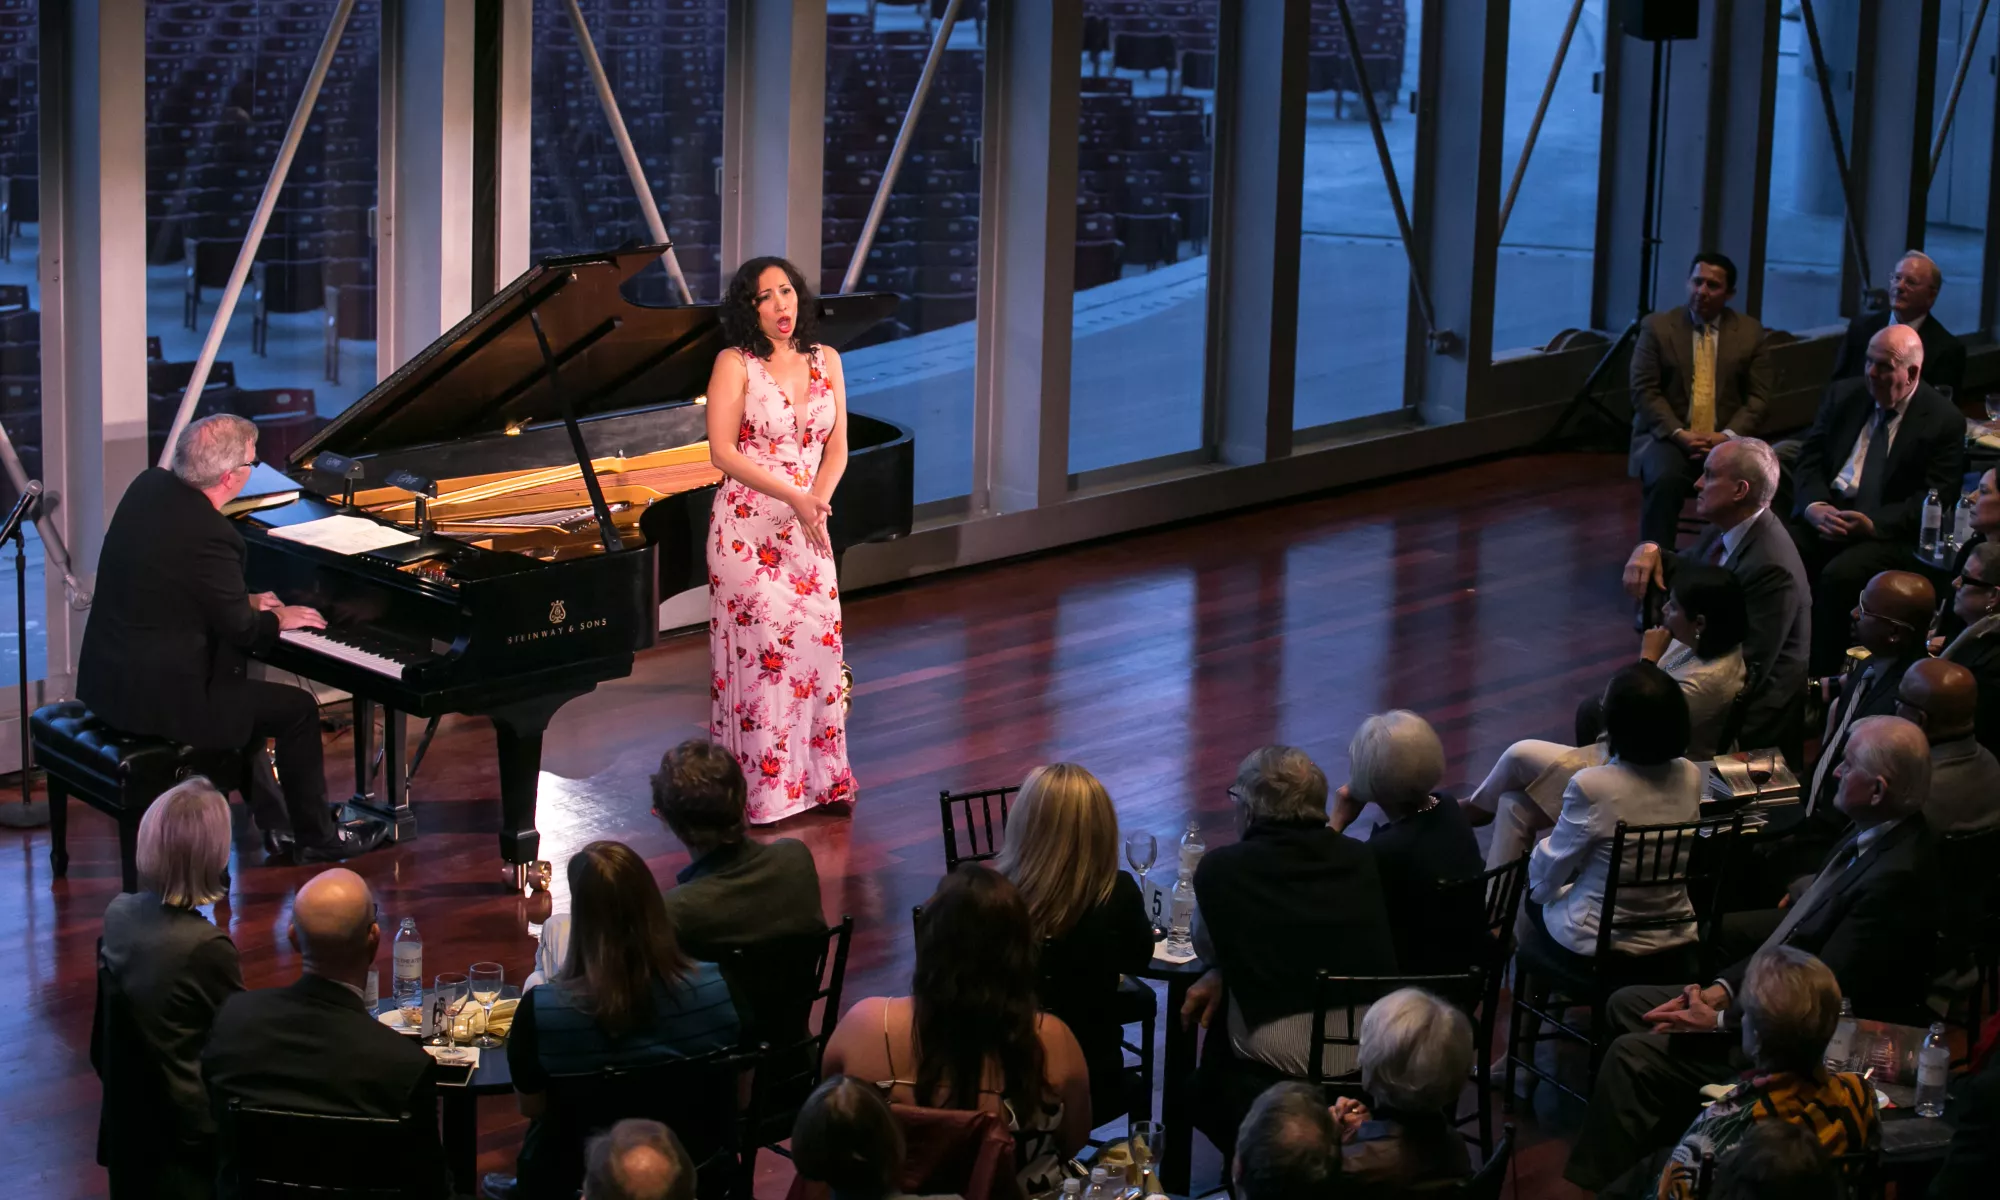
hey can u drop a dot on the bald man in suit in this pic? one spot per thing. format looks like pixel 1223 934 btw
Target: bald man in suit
pixel 1699 377
pixel 1913 293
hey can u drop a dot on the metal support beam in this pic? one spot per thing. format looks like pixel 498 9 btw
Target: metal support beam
pixel 1856 243
pixel 1957 86
pixel 1895 89
pixel 1541 111
pixel 503 145
pixel 905 134
pixel 246 254
pixel 656 226
pixel 773 132
pixel 1027 255
pixel 1460 123
pixel 424 187
pixel 1257 197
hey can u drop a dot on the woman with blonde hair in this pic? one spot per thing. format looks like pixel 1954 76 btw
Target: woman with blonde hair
pixel 164 970
pixel 1061 853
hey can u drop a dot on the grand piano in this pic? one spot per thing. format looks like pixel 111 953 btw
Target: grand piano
pixel 550 453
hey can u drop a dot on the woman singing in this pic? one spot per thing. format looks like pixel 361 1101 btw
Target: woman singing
pixel 777 427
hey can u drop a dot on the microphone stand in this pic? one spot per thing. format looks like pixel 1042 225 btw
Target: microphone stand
pixel 29 813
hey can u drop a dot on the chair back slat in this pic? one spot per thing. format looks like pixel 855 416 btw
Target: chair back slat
pixel 281 1155
pixel 982 816
pixel 779 987
pixel 1350 996
pixel 1693 856
pixel 1487 1182
pixel 699 1098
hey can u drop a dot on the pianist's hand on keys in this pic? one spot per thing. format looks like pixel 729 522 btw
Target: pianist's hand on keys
pixel 298 616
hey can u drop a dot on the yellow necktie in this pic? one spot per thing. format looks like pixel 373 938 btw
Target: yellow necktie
pixel 1701 393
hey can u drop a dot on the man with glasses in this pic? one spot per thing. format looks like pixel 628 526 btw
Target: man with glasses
pixel 1939 697
pixel 1972 632
pixel 167 649
pixel 1913 290
pixel 1878 446
pixel 1889 621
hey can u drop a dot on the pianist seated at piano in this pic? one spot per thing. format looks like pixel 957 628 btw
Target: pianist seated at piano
pixel 173 628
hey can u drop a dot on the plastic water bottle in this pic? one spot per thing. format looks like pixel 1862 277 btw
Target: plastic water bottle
pixel 409 967
pixel 1180 934
pixel 1961 521
pixel 1840 1048
pixel 1072 1189
pixel 1933 1065
pixel 1933 524
pixel 1100 1185
pixel 1192 847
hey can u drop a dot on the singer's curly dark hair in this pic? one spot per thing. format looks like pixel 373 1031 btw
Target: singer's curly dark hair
pixel 739 309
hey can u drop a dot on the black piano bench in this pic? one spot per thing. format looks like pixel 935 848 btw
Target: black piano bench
pixel 118 774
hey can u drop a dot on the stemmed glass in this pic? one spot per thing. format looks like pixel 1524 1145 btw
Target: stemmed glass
pixel 448 995
pixel 1141 849
pixel 1993 410
pixel 486 978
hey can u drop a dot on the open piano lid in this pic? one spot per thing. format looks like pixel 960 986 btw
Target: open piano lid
pixel 487 375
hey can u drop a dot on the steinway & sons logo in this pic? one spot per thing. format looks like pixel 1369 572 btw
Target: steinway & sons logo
pixel 559 625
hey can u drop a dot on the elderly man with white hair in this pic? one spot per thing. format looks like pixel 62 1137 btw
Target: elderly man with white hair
pixel 1289 898
pixel 1397 762
pixel 1416 1051
pixel 1869 913
pixel 167 650
pixel 1880 444
pixel 1744 537
pixel 1913 293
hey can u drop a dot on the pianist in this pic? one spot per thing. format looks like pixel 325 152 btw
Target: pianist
pixel 173 628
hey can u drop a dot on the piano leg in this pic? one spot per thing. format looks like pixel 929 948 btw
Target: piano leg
pixel 393 806
pixel 518 730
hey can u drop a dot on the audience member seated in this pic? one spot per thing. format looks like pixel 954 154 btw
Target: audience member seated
pixel 737 891
pixel 1976 643
pixel 1939 697
pixel 1790 1007
pixel 1749 541
pixel 1888 622
pixel 1287 900
pixel 1879 445
pixel 1984 518
pixel 168 970
pixel 1061 853
pixel 1699 642
pixel 637 1160
pixel 1870 915
pixel 626 996
pixel 1645 781
pixel 968 1035
pixel 1973 1156
pixel 1524 790
pixel 314 1047
pixel 1288 1147
pixel 1777 1160
pixel 1397 761
pixel 1416 1052
pixel 1913 290
pixel 1700 375
pixel 846 1138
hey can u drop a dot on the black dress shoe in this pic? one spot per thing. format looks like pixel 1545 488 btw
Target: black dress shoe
pixel 280 849
pixel 348 842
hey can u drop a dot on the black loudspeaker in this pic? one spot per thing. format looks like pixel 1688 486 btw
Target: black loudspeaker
pixel 1661 20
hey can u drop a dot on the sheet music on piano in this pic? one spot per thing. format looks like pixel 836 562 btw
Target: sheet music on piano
pixel 343 534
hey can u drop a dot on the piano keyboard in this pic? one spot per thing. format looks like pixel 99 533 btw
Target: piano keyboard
pixel 358 650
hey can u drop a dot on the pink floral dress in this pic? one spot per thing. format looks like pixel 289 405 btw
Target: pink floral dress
pixel 774 613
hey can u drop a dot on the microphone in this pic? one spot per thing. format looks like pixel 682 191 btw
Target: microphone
pixel 29 495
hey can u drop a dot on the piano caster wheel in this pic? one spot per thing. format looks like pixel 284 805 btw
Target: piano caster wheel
pixel 516 875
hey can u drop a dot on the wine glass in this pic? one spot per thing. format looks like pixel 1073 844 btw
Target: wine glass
pixel 486 978
pixel 1993 409
pixel 448 996
pixel 1141 850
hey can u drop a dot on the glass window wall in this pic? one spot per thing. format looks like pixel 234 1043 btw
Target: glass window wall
pixel 1955 226
pixel 1806 227
pixel 20 316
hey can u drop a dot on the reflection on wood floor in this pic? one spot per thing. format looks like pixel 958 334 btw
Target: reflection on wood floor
pixel 1485 598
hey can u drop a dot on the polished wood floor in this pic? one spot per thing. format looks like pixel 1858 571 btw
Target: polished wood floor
pixel 1485 598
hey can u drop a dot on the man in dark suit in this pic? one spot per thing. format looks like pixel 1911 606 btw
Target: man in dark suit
pixel 1744 537
pixel 736 891
pixel 1889 622
pixel 1291 897
pixel 1699 376
pixel 1913 289
pixel 173 628
pixel 1940 697
pixel 1870 914
pixel 1878 446
pixel 314 1047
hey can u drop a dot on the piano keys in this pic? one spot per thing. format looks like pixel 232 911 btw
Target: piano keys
pixel 556 499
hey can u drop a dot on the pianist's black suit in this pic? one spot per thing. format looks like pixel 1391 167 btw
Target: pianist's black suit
pixel 170 637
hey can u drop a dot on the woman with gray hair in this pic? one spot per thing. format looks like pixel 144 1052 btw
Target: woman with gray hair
pixel 1397 762
pixel 1416 1053
pixel 1975 605
pixel 163 971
